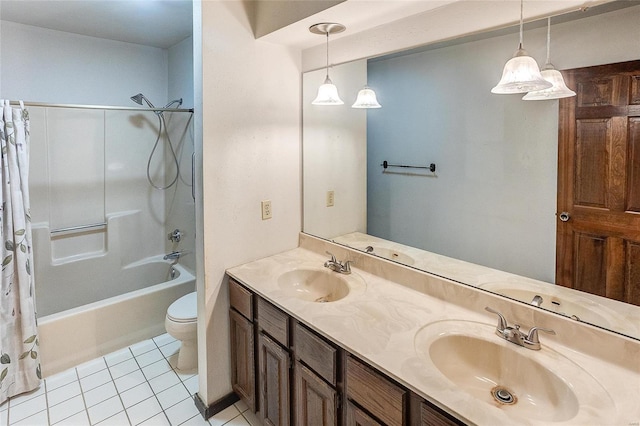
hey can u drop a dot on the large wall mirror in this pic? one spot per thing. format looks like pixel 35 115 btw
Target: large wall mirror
pixel 492 198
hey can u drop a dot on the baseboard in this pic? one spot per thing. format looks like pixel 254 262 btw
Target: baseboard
pixel 216 406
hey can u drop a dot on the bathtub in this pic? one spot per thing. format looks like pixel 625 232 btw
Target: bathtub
pixel 82 333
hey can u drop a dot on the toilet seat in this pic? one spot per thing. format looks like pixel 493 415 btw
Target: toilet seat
pixel 184 309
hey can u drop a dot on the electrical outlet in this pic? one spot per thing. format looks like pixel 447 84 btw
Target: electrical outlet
pixel 330 198
pixel 266 209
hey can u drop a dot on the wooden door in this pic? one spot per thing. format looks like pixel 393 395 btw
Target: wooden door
pixel 243 377
pixel 274 382
pixel 315 401
pixel 598 246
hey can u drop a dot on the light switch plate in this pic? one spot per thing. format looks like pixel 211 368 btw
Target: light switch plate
pixel 330 198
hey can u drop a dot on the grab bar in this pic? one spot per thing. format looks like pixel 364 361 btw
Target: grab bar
pixel 71 229
pixel 431 167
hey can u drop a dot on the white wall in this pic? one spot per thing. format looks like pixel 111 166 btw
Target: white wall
pixel 251 152
pixel 42 65
pixel 335 154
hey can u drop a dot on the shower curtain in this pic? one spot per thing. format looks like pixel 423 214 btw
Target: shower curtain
pixel 19 358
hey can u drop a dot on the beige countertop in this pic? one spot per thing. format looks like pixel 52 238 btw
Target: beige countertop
pixel 383 322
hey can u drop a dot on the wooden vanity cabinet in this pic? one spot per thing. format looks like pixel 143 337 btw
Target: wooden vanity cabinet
pixel 302 378
pixel 241 332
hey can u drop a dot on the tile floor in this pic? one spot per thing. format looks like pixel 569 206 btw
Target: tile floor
pixel 133 386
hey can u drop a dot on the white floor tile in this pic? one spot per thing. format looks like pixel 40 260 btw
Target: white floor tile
pixel 91 367
pixel 105 409
pixel 99 394
pixel 80 419
pixel 66 409
pixel 157 368
pixel 118 356
pixel 63 393
pixel 252 418
pixel 136 394
pixel 157 420
pixel 241 421
pixel 94 380
pixel 164 381
pixel 241 406
pixel 173 395
pixel 224 416
pixel 149 357
pixel 196 420
pixel 129 381
pixel 119 419
pixel 124 368
pixel 192 384
pixel 163 339
pixel 144 410
pixel 142 347
pixel 18 399
pixel 182 411
pixel 26 408
pixel 170 348
pixel 61 379
pixel 37 419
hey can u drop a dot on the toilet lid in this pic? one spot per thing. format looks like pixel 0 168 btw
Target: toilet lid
pixel 184 309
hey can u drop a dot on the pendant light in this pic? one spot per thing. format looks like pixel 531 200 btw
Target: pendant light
pixel 521 73
pixel 366 99
pixel 549 73
pixel 327 92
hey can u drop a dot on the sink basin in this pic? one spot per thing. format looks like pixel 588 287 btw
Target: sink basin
pixel 318 285
pixel 394 255
pixel 526 385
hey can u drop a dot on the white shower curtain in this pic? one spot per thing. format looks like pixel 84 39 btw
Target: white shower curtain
pixel 19 358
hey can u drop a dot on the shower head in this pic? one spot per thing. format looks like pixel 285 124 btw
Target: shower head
pixel 139 98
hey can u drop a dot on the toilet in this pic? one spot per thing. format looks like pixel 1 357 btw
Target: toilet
pixel 181 324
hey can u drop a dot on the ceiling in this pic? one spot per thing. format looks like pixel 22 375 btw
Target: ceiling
pixel 157 23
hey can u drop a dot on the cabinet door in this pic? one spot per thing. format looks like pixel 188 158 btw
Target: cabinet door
pixel 429 416
pixel 315 401
pixel 358 417
pixel 243 377
pixel 274 382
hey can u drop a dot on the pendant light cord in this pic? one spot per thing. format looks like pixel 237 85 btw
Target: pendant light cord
pixel 327 53
pixel 549 40
pixel 521 21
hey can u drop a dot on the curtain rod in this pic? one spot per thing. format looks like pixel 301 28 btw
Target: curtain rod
pixel 105 107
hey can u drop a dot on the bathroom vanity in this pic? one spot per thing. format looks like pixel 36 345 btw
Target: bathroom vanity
pixel 388 344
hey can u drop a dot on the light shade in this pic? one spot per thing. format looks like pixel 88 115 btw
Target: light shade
pixel 520 75
pixel 366 99
pixel 557 91
pixel 327 94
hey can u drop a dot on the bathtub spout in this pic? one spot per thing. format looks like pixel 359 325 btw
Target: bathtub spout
pixel 175 255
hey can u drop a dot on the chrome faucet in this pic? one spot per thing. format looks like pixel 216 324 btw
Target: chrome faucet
pixel 337 266
pixel 514 335
pixel 174 255
pixel 537 300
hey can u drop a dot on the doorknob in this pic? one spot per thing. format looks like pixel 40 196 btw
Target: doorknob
pixel 565 216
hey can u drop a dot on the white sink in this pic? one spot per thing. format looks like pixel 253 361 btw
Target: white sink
pixel 319 285
pixel 528 386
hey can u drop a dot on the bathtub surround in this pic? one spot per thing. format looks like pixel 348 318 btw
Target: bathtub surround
pixel 19 344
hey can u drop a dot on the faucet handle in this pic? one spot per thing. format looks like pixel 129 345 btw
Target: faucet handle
pixel 333 258
pixel 346 268
pixel 502 322
pixel 532 337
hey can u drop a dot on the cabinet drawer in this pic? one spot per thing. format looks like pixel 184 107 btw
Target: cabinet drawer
pixel 357 417
pixel 274 322
pixel 375 393
pixel 316 353
pixel 240 299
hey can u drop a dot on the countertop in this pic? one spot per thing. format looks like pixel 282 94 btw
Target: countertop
pixel 379 322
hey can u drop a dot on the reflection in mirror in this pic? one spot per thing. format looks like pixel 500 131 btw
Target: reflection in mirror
pixel 492 199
